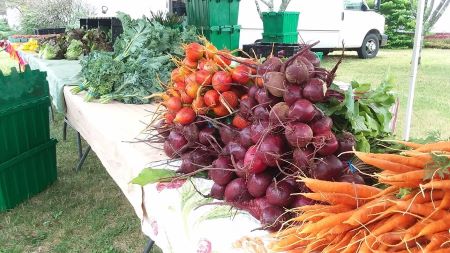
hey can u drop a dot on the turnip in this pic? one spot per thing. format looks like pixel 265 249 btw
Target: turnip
pixel 314 90
pixel 275 83
pixel 327 168
pixel 279 194
pixel 236 191
pixel 217 191
pixel 292 94
pixel 302 110
pixel 298 134
pixel 221 173
pixel 257 184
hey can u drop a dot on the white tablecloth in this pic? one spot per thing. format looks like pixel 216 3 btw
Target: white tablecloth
pixel 173 214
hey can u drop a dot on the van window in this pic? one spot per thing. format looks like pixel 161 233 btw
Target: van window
pixel 356 5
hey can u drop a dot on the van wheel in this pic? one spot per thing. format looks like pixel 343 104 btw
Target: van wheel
pixel 370 47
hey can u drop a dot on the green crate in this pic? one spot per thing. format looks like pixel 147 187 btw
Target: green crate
pixel 223 36
pixel 285 38
pixel 276 23
pixel 23 127
pixel 27 174
pixel 24 112
pixel 207 13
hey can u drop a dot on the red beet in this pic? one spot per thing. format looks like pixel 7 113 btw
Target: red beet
pixel 236 191
pixel 292 93
pixel 217 191
pixel 257 184
pixel 298 134
pixel 302 110
pixel 327 168
pixel 279 194
pixel 252 163
pixel 326 143
pixel 314 90
pixel 221 173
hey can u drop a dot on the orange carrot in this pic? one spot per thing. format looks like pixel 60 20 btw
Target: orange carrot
pixel 395 222
pixel 358 190
pixel 383 164
pixel 297 250
pixel 436 241
pixel 436 226
pixel 410 176
pixel 445 204
pixel 414 230
pixel 366 213
pixel 408 161
pixel 437 184
pixel 327 222
pixel 335 198
pixel 288 242
pixel 437 146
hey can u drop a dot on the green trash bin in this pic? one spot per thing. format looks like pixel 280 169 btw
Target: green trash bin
pixel 223 37
pixel 209 13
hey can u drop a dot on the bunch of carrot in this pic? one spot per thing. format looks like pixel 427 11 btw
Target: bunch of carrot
pixel 411 215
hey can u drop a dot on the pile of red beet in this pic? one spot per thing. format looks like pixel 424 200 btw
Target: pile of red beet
pixel 256 167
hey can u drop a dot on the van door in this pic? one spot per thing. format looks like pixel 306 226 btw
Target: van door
pixel 319 20
pixel 355 19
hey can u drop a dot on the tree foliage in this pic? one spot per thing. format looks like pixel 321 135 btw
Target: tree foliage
pixel 50 13
pixel 400 24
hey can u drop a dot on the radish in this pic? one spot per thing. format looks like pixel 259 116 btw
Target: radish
pixel 302 110
pixel 314 90
pixel 275 83
pixel 252 164
pixel 217 191
pixel 257 184
pixel 221 173
pixel 279 194
pixel 236 191
pixel 292 93
pixel 298 134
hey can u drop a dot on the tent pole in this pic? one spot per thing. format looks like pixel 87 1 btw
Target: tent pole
pixel 414 67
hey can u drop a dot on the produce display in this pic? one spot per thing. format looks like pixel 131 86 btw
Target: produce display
pixel 255 127
pixel 74 44
pixel 411 214
pixel 140 64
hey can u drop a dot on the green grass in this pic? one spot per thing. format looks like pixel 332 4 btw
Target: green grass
pixel 87 212
pixel 432 95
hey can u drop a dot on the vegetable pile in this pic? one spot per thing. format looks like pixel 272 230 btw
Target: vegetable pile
pixel 74 44
pixel 255 127
pixel 412 214
pixel 140 64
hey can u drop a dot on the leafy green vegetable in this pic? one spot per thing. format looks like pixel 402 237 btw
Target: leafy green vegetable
pixel 50 51
pixel 365 112
pixel 439 166
pixel 74 50
pixel 150 176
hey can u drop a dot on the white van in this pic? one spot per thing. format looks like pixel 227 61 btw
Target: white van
pixel 333 22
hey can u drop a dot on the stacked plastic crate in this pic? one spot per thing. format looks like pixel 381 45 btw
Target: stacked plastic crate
pixel 216 20
pixel 27 154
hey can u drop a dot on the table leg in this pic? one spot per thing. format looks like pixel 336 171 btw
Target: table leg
pixel 83 158
pixel 149 246
pixel 65 130
pixel 80 147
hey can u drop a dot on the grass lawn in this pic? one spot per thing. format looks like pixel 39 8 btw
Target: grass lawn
pixel 86 211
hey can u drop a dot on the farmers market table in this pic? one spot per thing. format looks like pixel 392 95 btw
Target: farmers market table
pixel 59 74
pixel 173 214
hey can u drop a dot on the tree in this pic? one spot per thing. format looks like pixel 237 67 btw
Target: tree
pixel 400 24
pixel 50 13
